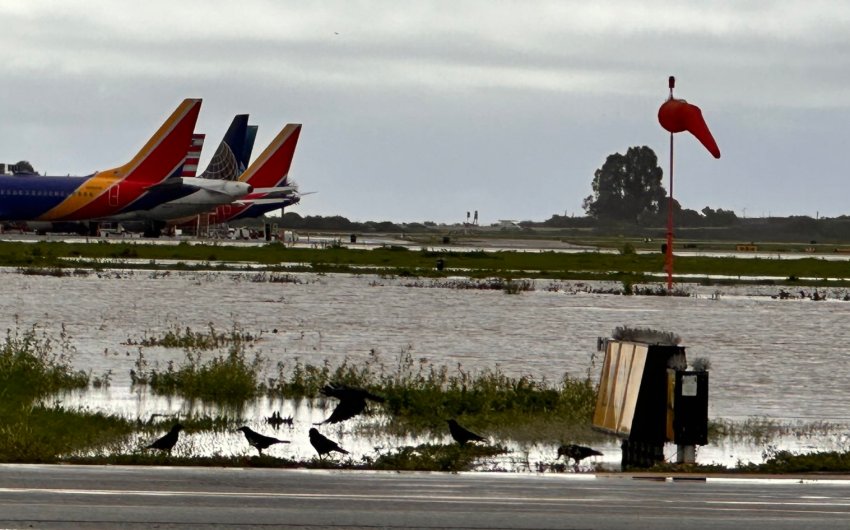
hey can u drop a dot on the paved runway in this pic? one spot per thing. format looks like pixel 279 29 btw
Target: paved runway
pixel 41 496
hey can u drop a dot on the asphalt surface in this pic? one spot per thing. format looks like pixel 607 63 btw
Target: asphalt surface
pixel 42 496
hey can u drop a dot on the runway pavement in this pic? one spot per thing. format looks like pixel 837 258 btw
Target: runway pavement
pixel 44 496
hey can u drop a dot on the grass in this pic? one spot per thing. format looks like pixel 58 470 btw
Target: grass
pixel 420 396
pixel 229 378
pixel 788 462
pixel 434 457
pixel 761 430
pixel 225 378
pixel 36 434
pixel 186 338
pixel 34 365
pixel 426 457
pixel 46 257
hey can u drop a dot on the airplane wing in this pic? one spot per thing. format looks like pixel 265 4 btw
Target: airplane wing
pixel 280 189
pixel 251 202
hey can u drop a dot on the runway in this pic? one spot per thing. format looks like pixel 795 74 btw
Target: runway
pixel 45 496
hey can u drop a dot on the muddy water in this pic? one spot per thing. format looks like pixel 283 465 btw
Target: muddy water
pixel 785 359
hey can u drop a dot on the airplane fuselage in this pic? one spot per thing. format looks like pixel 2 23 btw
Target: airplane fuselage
pixel 207 194
pixel 32 197
pixel 28 197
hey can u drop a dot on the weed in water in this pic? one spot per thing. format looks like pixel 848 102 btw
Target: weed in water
pixel 34 365
pixel 228 378
pixel 175 337
pixel 430 457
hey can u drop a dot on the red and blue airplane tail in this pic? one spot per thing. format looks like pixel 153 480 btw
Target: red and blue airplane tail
pixel 271 168
pixel 109 191
pixel 163 154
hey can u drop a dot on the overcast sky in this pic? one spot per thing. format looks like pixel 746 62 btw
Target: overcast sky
pixel 418 111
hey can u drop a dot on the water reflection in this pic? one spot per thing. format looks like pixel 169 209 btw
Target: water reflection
pixel 366 441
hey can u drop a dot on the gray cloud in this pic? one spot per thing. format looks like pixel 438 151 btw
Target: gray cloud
pixel 430 109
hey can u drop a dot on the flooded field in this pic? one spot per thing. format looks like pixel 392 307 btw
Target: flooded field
pixel 781 359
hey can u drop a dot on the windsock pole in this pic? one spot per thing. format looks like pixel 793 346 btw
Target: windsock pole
pixel 668 258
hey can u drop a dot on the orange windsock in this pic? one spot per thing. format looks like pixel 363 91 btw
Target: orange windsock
pixel 677 115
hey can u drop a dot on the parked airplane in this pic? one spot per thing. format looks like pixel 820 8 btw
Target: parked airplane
pixel 269 175
pixel 31 197
pixel 217 185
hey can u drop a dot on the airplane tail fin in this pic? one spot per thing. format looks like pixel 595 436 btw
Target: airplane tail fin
pixel 249 146
pixel 272 166
pixel 190 164
pixel 163 154
pixel 225 163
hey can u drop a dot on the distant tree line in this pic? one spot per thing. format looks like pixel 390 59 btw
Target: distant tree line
pixel 628 199
pixel 338 223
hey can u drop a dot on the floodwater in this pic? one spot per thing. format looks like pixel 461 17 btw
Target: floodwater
pixel 781 359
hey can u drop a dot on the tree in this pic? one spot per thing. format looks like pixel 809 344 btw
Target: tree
pixel 627 187
pixel 719 217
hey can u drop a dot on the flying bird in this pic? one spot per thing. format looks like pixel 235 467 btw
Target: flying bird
pixel 576 452
pixel 352 401
pixel 462 435
pixel 324 445
pixel 167 442
pixel 260 441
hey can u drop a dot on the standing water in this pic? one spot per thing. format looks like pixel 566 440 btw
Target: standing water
pixel 781 359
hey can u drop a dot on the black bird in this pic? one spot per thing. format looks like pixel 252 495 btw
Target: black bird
pixel 576 452
pixel 461 435
pixel 260 441
pixel 166 443
pixel 324 445
pixel 352 401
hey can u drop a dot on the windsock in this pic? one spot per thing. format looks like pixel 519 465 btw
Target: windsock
pixel 677 115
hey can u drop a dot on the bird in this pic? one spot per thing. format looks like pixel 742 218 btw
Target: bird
pixel 576 452
pixel 260 441
pixel 324 445
pixel 352 401
pixel 462 435
pixel 167 442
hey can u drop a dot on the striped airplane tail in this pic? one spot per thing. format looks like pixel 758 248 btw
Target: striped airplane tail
pixel 193 157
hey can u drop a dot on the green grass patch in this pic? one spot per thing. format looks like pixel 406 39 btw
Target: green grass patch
pixel 434 457
pixel 45 256
pixel 229 378
pixel 186 338
pixel 421 396
pixel 788 462
pixel 760 430
pixel 34 365
pixel 49 434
